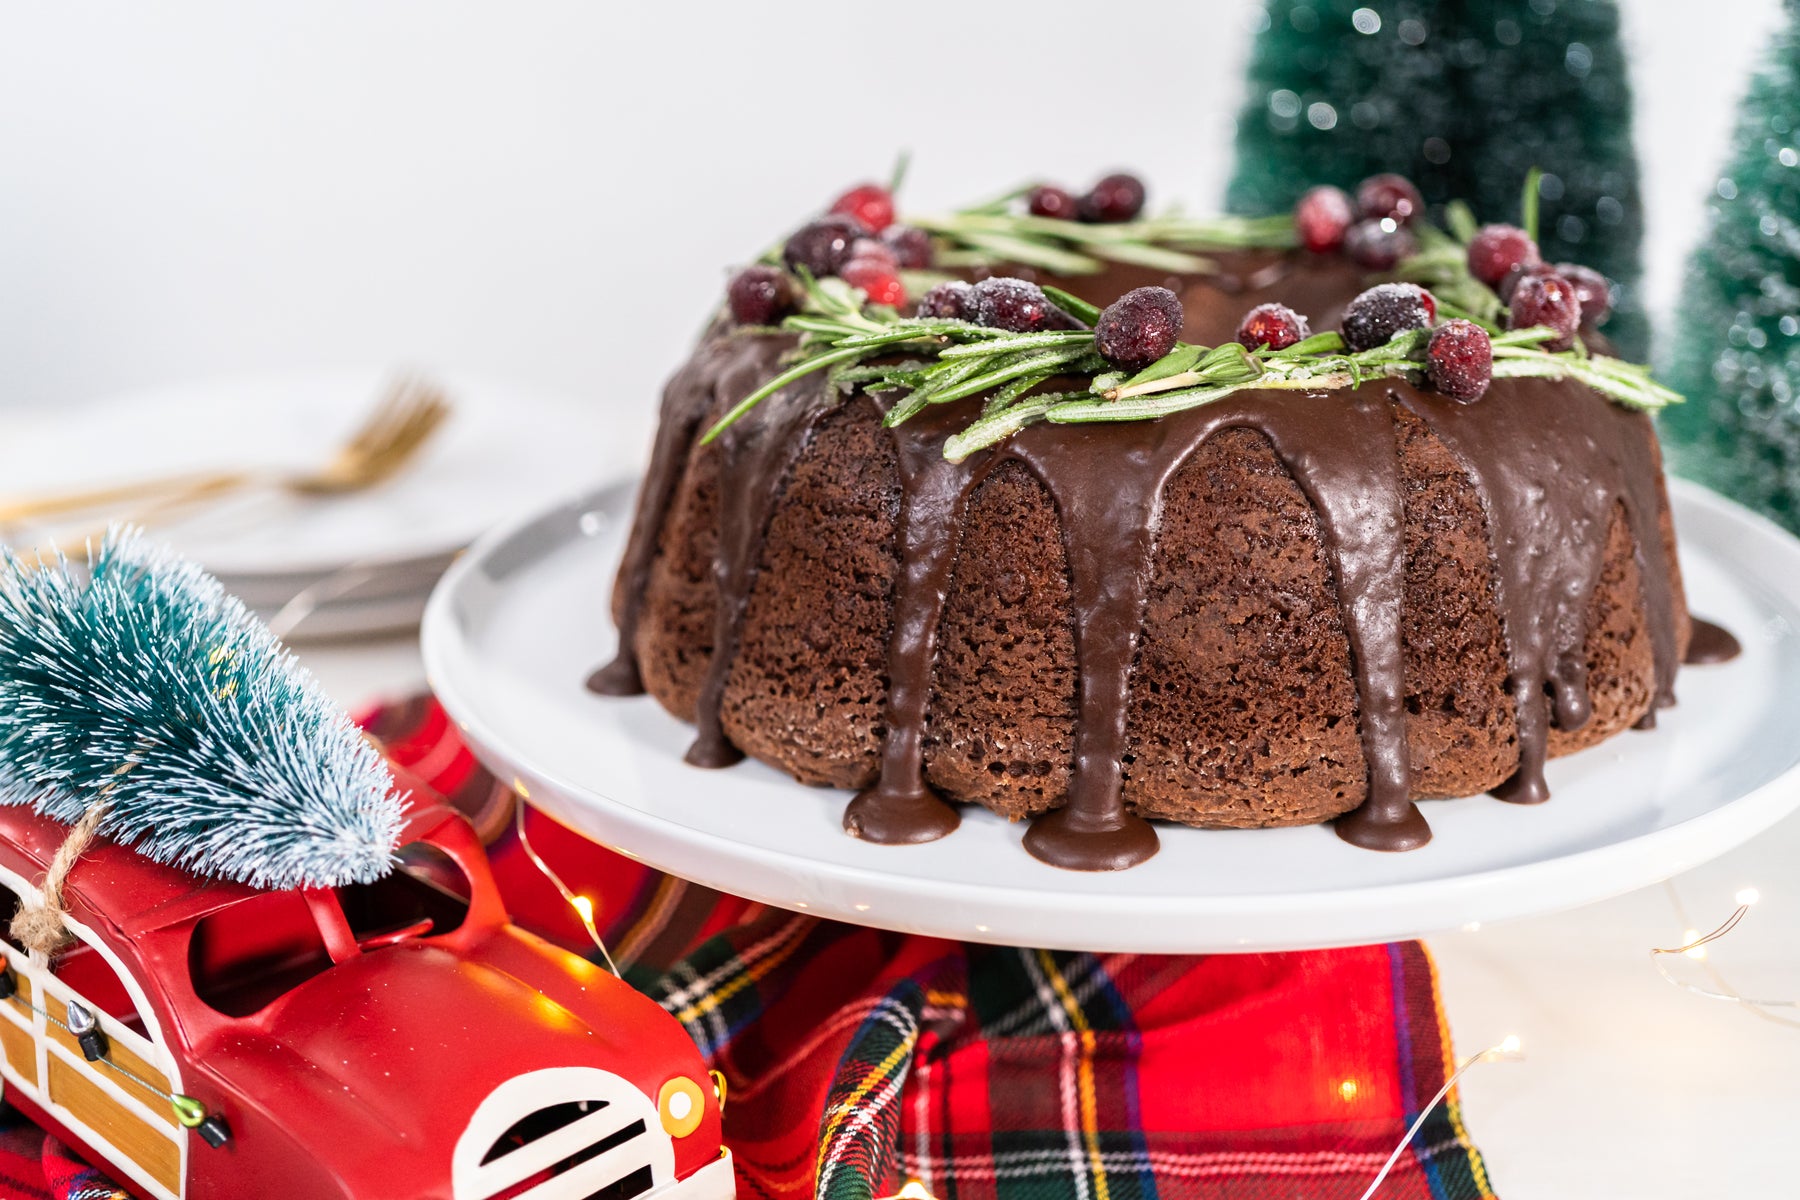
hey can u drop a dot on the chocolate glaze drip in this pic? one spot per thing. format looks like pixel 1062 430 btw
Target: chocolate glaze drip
pixel 900 807
pixel 1550 472
pixel 685 400
pixel 754 458
pixel 1549 463
pixel 1711 643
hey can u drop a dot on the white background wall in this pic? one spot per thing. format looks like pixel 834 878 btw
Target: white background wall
pixel 549 191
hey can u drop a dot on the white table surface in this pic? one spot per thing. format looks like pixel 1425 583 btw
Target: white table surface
pixel 1630 1087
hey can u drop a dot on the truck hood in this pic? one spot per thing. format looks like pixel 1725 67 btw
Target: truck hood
pixel 402 1044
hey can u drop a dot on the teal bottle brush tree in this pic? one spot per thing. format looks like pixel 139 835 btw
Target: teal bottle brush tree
pixel 139 702
pixel 1736 334
pixel 1463 99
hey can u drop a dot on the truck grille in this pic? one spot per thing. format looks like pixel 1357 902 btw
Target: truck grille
pixel 604 1144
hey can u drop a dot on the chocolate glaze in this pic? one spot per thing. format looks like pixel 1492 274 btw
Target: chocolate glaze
pixel 754 459
pixel 1550 468
pixel 1711 643
pixel 900 807
pixel 1549 461
pixel 685 400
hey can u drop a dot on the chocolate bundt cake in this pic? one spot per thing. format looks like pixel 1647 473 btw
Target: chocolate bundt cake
pixel 1288 604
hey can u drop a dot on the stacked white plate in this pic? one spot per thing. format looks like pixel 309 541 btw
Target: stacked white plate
pixel 351 565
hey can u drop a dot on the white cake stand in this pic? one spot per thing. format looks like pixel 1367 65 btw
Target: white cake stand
pixel 518 622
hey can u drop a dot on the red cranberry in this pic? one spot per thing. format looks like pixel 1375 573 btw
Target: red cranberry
pixel 1389 196
pixel 954 301
pixel 1497 249
pixel 1374 317
pixel 760 295
pixel 1322 217
pixel 1377 245
pixel 1546 300
pixel 1273 325
pixel 1007 303
pixel 1505 288
pixel 911 247
pixel 1591 288
pixel 869 205
pixel 822 246
pixel 1047 200
pixel 1459 360
pixel 878 277
pixel 1138 328
pixel 875 249
pixel 1115 198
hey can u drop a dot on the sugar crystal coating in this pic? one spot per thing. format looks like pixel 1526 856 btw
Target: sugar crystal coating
pixel 760 295
pixel 1459 360
pixel 1374 317
pixel 1139 327
pixel 1273 325
pixel 1546 300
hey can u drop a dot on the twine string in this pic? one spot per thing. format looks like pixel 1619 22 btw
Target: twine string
pixel 40 928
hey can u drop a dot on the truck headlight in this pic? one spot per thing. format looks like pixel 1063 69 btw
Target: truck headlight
pixel 681 1105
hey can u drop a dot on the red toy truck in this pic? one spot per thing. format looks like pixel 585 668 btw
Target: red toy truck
pixel 399 1039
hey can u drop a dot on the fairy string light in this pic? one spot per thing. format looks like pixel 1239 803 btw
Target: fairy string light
pixel 584 907
pixel 1694 946
pixel 1509 1050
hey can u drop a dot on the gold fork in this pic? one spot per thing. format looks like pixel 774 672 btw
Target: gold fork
pixel 407 415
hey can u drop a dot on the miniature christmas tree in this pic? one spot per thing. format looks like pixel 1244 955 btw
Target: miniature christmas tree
pixel 138 689
pixel 1737 342
pixel 1463 99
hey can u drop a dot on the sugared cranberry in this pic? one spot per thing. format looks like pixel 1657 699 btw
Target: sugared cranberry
pixel 1546 300
pixel 878 277
pixel 876 249
pixel 1497 249
pixel 1273 325
pixel 953 301
pixel 822 246
pixel 1115 198
pixel 1322 217
pixel 1048 200
pixel 1505 288
pixel 1377 245
pixel 1459 360
pixel 911 246
pixel 760 295
pixel 1138 328
pixel 868 204
pixel 1384 310
pixel 1591 288
pixel 1007 303
pixel 1390 196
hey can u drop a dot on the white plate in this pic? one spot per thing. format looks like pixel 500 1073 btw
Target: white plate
pixel 517 624
pixel 505 450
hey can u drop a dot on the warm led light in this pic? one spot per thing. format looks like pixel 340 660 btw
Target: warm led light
pixel 585 907
pixel 1347 1090
pixel 1748 896
pixel 1511 1044
pixel 914 1190
pixel 1689 936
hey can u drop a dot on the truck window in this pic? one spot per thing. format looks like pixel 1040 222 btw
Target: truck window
pixel 243 957
pixel 426 886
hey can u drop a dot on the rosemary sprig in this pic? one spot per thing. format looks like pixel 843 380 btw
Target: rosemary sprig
pixel 941 361
pixel 991 232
